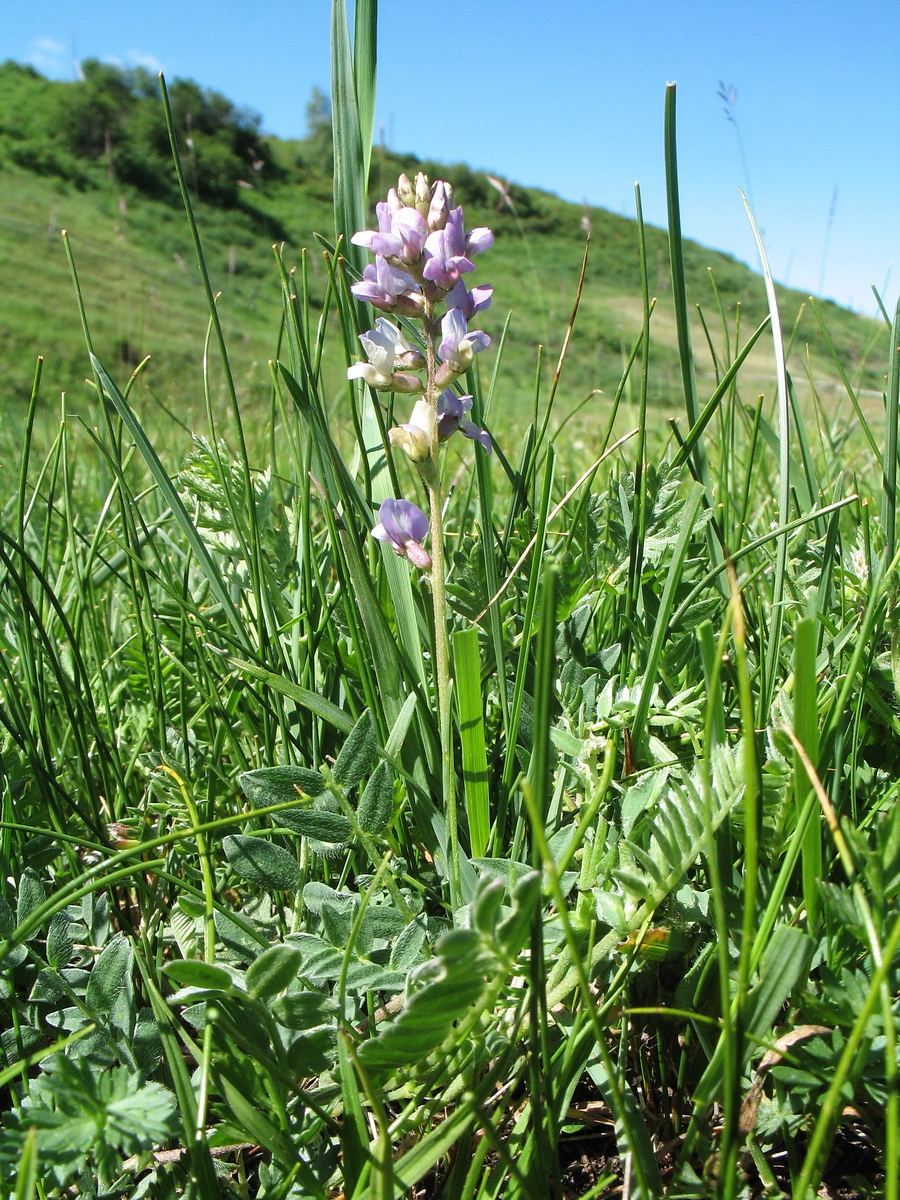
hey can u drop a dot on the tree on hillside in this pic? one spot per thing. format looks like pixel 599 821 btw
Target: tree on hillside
pixel 114 117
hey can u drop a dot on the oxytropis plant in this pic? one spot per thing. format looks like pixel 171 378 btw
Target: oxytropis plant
pixel 422 253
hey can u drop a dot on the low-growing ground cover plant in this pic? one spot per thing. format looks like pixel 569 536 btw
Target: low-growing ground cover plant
pixel 537 839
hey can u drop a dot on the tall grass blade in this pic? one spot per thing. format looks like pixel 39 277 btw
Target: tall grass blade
pixel 773 647
pixel 173 500
pixel 889 484
pixel 350 159
pixel 806 730
pixel 467 676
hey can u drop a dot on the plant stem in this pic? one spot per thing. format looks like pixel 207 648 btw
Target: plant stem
pixel 442 679
pixel 441 641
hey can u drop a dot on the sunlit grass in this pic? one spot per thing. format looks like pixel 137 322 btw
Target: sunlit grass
pixel 671 966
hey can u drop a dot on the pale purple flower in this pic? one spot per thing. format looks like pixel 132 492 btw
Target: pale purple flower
pixel 401 234
pixel 469 302
pixel 403 526
pixel 390 355
pixel 458 347
pixel 389 289
pixel 448 252
pixel 451 413
pixel 445 253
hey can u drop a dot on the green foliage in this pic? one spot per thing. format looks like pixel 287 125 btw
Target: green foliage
pixel 110 122
pixel 88 1121
pixel 225 905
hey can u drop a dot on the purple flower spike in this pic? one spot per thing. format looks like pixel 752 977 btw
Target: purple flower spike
pixel 445 253
pixel 401 234
pixel 390 357
pixel 459 347
pixel 451 411
pixel 404 527
pixel 389 289
pixel 469 302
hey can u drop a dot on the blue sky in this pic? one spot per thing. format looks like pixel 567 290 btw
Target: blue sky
pixel 569 96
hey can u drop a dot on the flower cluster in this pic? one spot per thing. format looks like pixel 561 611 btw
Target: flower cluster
pixel 422 254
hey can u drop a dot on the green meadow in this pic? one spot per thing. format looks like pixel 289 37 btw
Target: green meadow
pixel 560 859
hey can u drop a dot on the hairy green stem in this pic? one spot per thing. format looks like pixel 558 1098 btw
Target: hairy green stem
pixel 432 477
pixel 442 679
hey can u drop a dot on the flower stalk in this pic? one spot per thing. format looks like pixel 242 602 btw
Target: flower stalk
pixel 422 252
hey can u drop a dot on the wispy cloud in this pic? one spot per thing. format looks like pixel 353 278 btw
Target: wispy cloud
pixel 135 58
pixel 50 56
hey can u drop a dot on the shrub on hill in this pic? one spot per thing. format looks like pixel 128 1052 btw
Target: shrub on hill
pixel 110 124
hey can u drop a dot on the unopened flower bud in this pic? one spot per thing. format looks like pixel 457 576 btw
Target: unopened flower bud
pixel 121 836
pixel 439 208
pixel 423 194
pixel 407 385
pixel 409 360
pixel 405 191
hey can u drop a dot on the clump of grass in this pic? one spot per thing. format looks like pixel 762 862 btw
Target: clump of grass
pixel 668 965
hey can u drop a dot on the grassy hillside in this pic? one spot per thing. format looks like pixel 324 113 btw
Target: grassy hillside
pixel 545 843
pixel 141 286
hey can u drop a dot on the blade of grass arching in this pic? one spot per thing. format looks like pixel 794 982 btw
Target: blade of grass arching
pixel 776 618
pixel 806 459
pixel 679 288
pixel 26 448
pixel 467 676
pixel 170 497
pixel 350 173
pixel 700 466
pixel 851 391
pixel 673 576
pixel 693 436
pixel 750 547
pixel 806 730
pixel 889 478
pixel 242 508
pixel 639 515
pixel 823 600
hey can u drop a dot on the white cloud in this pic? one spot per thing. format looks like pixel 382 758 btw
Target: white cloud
pixel 149 61
pixel 49 56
